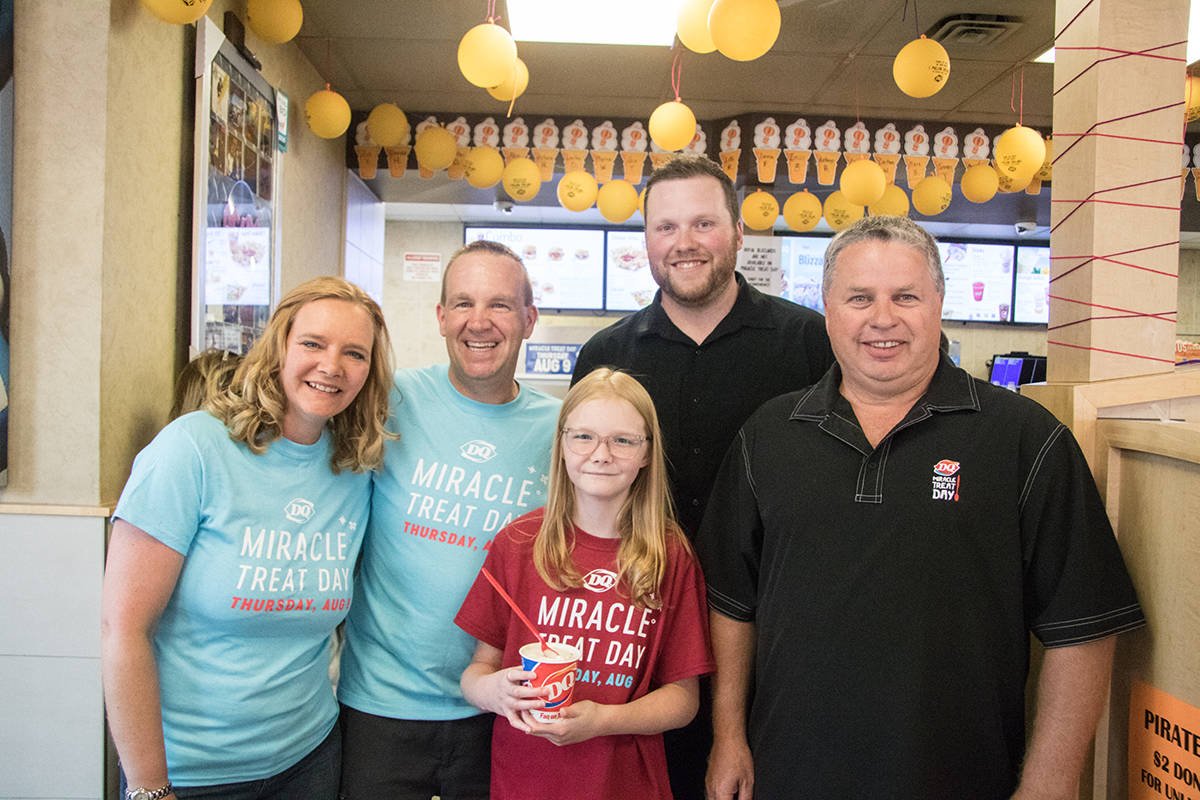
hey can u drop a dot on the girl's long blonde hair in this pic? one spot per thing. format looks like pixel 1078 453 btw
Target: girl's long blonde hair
pixel 646 520
pixel 254 405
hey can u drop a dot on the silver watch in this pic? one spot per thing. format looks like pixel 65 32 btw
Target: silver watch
pixel 145 794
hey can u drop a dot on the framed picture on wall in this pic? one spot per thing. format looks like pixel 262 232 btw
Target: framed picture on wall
pixel 235 262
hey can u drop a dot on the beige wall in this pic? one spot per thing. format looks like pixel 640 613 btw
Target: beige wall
pixel 1187 323
pixel 102 220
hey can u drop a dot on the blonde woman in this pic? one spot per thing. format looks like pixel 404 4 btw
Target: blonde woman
pixel 231 558
pixel 602 567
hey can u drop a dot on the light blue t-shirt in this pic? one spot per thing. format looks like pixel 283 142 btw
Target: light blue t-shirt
pixel 460 472
pixel 243 644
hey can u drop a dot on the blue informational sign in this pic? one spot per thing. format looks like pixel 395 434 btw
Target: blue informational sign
pixel 542 359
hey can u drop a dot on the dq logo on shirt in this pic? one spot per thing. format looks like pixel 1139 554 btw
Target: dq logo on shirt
pixel 478 451
pixel 298 510
pixel 946 480
pixel 600 580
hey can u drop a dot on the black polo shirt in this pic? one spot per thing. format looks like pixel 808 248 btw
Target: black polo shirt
pixel 893 588
pixel 764 346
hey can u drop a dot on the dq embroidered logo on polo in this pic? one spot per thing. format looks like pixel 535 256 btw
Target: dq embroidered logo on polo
pixel 946 480
pixel 600 580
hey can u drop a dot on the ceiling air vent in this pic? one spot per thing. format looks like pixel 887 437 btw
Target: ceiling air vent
pixel 972 30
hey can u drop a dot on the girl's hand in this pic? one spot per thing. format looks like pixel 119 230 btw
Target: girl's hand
pixel 579 722
pixel 501 692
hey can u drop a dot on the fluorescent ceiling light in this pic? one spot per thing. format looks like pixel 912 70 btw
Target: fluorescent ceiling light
pixel 644 22
pixel 1046 57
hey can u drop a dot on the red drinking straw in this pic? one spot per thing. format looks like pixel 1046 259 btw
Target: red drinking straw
pixel 512 604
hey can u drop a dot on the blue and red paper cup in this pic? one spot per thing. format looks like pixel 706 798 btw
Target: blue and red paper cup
pixel 555 671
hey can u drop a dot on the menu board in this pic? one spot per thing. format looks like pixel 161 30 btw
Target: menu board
pixel 630 284
pixel 1031 301
pixel 565 265
pixel 979 281
pixel 802 259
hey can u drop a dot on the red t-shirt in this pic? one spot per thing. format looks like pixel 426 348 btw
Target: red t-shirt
pixel 627 652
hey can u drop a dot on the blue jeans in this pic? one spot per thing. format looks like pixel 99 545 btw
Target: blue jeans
pixel 314 777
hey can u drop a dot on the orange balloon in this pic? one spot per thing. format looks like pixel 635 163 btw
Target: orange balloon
pixel 863 182
pixel 577 190
pixel 921 68
pixel 692 26
pixel 980 183
pixel 484 167
pixel 893 203
pixel 178 12
pixel 387 125
pixel 522 179
pixel 743 30
pixel 672 126
pixel 932 196
pixel 486 54
pixel 328 113
pixel 760 210
pixel 435 148
pixel 617 200
pixel 840 213
pixel 802 211
pixel 1018 150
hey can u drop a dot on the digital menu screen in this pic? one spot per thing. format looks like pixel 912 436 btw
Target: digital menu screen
pixel 630 285
pixel 1006 372
pixel 979 281
pixel 802 259
pixel 565 265
pixel 1031 301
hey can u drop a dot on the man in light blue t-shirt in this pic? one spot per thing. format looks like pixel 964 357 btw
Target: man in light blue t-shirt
pixel 474 454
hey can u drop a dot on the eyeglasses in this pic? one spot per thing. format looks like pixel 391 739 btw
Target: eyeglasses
pixel 583 442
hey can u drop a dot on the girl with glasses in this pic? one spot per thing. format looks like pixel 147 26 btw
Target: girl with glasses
pixel 604 568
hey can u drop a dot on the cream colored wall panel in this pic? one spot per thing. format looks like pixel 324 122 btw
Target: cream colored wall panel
pixel 51 568
pixel 51 728
pixel 408 306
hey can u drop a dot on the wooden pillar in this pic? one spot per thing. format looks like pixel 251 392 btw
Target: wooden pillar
pixel 1114 242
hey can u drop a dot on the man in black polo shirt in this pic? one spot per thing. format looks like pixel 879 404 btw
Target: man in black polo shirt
pixel 709 349
pixel 878 548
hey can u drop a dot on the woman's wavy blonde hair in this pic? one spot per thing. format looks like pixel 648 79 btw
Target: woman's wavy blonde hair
pixel 254 405
pixel 646 520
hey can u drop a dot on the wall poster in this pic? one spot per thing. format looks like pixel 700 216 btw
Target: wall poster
pixel 234 252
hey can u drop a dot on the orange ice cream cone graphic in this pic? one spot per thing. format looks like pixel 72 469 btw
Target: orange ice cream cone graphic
pixel 887 162
pixel 511 153
pixel 729 163
pixel 827 167
pixel 915 167
pixel 368 160
pixel 573 160
pixel 545 158
pixel 397 158
pixel 602 164
pixel 633 162
pixel 660 160
pixel 797 161
pixel 767 159
pixel 944 168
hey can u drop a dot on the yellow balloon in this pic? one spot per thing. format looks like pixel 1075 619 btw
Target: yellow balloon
pixel 863 182
pixel 1007 184
pixel 1019 150
pixel 893 203
pixel 435 148
pixel 672 125
pixel 802 211
pixel 484 166
pixel 692 26
pixel 522 179
pixel 642 202
pixel 1046 171
pixel 931 196
pixel 921 68
pixel 1191 97
pixel 744 29
pixel 514 85
pixel 841 213
pixel 328 113
pixel 577 190
pixel 980 183
pixel 617 200
pixel 760 210
pixel 387 125
pixel 486 54
pixel 178 12
pixel 275 21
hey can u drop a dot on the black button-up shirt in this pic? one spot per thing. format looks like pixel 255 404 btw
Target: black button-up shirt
pixel 764 346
